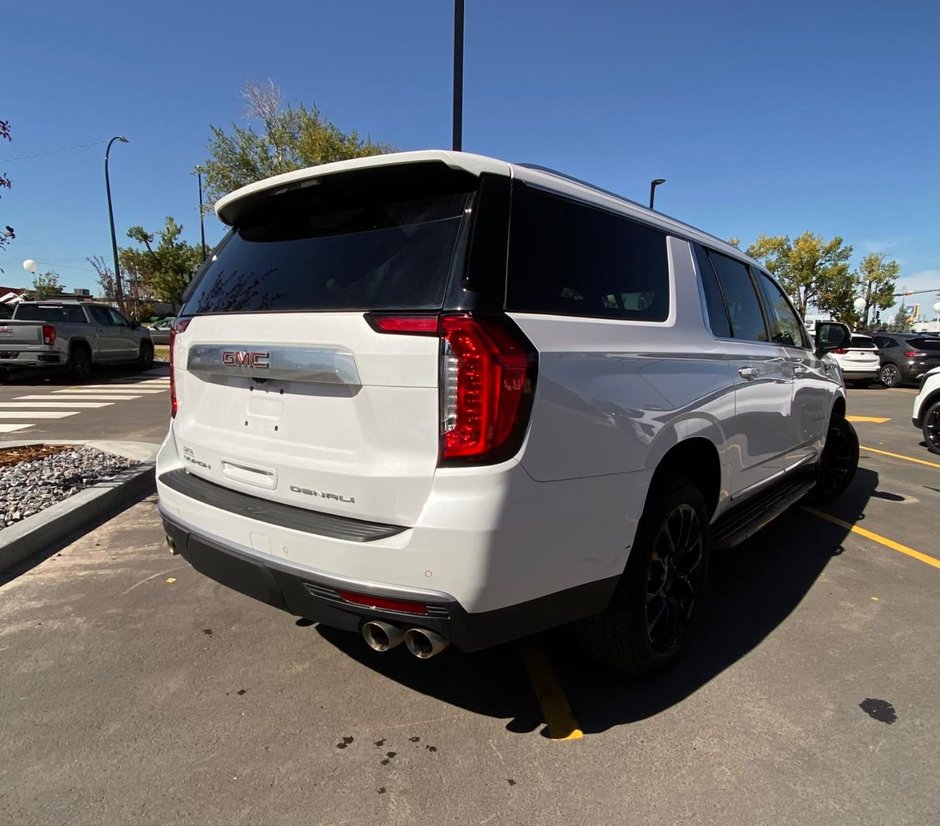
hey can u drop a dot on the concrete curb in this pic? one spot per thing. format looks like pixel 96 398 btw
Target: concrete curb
pixel 58 521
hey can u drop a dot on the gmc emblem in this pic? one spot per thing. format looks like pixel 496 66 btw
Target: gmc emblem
pixel 246 358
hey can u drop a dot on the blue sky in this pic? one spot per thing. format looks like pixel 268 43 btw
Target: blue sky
pixel 773 118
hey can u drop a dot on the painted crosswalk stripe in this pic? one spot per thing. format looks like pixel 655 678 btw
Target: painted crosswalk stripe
pixel 102 398
pixel 36 414
pixel 12 428
pixel 148 391
pixel 143 385
pixel 59 403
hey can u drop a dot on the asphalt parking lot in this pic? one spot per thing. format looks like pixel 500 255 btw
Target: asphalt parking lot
pixel 134 690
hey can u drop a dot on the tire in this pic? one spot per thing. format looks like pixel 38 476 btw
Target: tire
pixel 647 624
pixel 930 424
pixel 890 375
pixel 838 462
pixel 79 362
pixel 145 359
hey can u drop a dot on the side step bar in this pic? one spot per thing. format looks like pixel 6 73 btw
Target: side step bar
pixel 742 521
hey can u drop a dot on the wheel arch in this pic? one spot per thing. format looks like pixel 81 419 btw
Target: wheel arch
pixel 696 458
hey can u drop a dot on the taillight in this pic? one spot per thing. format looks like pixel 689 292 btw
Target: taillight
pixel 48 334
pixel 841 351
pixel 911 354
pixel 487 382
pixel 178 326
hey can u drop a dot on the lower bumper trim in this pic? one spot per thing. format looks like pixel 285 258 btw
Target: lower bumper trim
pixel 306 595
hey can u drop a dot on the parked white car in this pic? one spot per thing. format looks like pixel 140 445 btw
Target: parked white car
pixel 926 414
pixel 434 397
pixel 859 360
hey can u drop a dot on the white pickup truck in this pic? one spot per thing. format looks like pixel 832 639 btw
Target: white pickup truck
pixel 72 334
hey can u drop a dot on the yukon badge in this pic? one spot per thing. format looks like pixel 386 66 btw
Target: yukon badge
pixel 246 358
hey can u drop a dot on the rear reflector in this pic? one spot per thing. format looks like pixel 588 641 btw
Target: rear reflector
pixel 385 603
pixel 416 325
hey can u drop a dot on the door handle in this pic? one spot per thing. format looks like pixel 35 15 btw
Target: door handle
pixel 800 370
pixel 748 372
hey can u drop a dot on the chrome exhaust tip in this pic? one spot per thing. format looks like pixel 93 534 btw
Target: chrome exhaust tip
pixel 423 643
pixel 171 544
pixel 381 636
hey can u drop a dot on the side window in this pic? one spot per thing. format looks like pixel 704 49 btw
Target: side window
pixel 884 343
pixel 785 325
pixel 74 315
pixel 747 320
pixel 100 315
pixel 573 259
pixel 117 319
pixel 714 302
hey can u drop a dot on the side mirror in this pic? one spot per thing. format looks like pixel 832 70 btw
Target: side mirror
pixel 831 335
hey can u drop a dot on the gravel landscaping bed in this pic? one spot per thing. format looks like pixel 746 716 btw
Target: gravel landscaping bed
pixel 46 474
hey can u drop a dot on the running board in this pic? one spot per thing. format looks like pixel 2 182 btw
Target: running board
pixel 744 520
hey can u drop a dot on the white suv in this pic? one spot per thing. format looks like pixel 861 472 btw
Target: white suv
pixel 436 397
pixel 926 413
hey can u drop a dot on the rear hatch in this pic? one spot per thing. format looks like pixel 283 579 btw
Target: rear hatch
pixel 19 335
pixel 285 386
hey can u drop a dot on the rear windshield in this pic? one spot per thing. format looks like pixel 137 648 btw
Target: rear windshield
pixel 863 343
pixel 375 247
pixel 37 312
pixel 931 344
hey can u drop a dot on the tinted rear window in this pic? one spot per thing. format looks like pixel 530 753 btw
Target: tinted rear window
pixel 36 312
pixel 931 345
pixel 574 259
pixel 329 248
pixel 862 343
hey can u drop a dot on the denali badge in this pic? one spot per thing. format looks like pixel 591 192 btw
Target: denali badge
pixel 246 358
pixel 349 500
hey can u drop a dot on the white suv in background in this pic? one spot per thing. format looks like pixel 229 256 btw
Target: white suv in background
pixel 926 413
pixel 858 360
pixel 438 398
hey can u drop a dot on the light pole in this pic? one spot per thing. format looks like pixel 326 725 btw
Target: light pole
pixel 458 75
pixel 118 287
pixel 653 184
pixel 202 226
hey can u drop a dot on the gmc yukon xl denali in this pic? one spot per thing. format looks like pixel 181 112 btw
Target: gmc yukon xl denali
pixel 437 398
pixel 74 335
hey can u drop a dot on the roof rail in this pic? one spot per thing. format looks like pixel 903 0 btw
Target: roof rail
pixel 589 185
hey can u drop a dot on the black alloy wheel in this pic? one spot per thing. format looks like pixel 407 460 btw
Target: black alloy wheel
pixel 146 355
pixel 838 462
pixel 931 427
pixel 80 362
pixel 675 579
pixel 650 617
pixel 890 375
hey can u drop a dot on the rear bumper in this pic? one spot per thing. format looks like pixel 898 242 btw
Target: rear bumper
pixel 318 596
pixel 14 358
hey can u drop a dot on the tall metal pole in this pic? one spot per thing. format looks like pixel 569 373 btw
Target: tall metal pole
pixel 202 226
pixel 653 184
pixel 458 75
pixel 118 286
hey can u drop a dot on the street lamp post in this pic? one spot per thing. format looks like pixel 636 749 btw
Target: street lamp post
pixel 458 75
pixel 118 287
pixel 202 226
pixel 653 184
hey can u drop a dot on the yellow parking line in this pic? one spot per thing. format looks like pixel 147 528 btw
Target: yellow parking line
pixel 899 456
pixel 881 540
pixel 875 419
pixel 551 697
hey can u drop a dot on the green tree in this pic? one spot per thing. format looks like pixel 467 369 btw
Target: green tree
pixel 876 280
pixel 290 138
pixel 47 285
pixel 162 270
pixel 807 268
pixel 6 232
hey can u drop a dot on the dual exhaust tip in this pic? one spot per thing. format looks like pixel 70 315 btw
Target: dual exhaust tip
pixel 422 642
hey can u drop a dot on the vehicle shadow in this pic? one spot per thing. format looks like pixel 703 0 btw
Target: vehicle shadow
pixel 753 589
pixel 62 378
